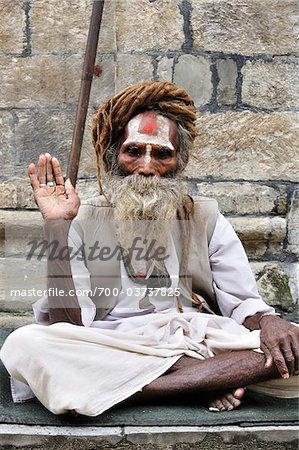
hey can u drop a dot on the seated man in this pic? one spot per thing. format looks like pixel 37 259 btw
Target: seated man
pixel 156 296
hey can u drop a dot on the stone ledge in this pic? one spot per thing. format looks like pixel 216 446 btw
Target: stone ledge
pixel 150 438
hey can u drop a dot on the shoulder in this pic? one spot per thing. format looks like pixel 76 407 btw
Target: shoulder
pixel 206 213
pixel 94 208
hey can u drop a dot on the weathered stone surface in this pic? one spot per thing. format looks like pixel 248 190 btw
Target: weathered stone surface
pixel 57 26
pixel 39 131
pixel 142 25
pixel 22 283
pixel 7 122
pixel 15 320
pixel 44 81
pixel 246 146
pixel 165 68
pixel 271 84
pixel 243 198
pixel 193 73
pixel 259 233
pixel 16 193
pixel 226 89
pixel 273 282
pixel 12 26
pixel 133 69
pixel 42 131
pixel 39 81
pixel 248 28
pixel 103 86
pixel 293 224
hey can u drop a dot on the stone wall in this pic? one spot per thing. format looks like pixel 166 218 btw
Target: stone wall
pixel 239 61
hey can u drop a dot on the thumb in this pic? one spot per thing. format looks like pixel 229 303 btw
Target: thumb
pixel 69 188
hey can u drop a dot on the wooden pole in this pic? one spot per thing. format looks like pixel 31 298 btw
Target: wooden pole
pixel 86 81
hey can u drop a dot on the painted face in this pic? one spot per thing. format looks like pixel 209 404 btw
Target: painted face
pixel 149 145
pixel 149 128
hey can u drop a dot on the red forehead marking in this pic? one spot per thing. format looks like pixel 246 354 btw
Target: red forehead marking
pixel 148 125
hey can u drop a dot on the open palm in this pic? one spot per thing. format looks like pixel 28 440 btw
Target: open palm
pixel 55 199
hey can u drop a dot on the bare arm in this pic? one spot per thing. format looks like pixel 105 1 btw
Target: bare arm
pixel 58 203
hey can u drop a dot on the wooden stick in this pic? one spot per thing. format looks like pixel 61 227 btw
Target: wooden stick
pixel 86 81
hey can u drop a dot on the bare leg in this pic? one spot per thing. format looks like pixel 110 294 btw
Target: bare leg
pixel 224 372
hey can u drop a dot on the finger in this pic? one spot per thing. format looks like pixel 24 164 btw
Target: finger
pixel 280 363
pixel 49 168
pixel 57 172
pixel 295 350
pixel 33 177
pixel 41 170
pixel 289 358
pixel 69 188
pixel 268 356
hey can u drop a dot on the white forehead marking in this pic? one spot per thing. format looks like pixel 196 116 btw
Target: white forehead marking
pixel 148 155
pixel 162 137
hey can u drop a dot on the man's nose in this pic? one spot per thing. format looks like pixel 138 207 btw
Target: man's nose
pixel 146 168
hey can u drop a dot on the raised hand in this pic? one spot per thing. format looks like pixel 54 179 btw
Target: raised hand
pixel 55 199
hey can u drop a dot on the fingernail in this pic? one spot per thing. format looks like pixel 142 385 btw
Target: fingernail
pixel 285 376
pixel 213 409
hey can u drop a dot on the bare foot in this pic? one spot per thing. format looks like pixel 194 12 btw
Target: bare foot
pixel 228 401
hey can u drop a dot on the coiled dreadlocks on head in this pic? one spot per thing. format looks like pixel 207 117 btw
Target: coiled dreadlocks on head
pixel 162 96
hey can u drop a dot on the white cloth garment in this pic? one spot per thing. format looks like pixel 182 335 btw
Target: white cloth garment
pixel 234 282
pixel 131 347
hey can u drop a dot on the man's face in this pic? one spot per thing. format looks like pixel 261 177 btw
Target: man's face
pixel 149 146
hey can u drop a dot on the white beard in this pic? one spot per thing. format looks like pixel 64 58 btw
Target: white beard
pixel 145 208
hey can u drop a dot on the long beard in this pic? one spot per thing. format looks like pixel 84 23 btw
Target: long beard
pixel 145 208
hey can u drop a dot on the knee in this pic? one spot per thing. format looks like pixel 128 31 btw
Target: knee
pixel 18 343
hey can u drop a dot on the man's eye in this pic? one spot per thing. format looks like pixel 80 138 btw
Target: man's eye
pixel 134 151
pixel 164 153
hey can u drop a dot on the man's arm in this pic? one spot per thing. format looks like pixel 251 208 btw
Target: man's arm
pixel 238 298
pixel 58 203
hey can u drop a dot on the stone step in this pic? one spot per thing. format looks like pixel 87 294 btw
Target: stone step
pixel 149 438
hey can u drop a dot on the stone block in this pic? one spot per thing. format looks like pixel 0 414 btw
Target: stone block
pixel 16 193
pixel 165 68
pixel 49 80
pixel 246 146
pixel 271 84
pixel 293 224
pixel 22 283
pixel 42 131
pixel 39 131
pixel 12 26
pixel 276 284
pixel 39 81
pixel 242 198
pixel 142 25
pixel 133 69
pixel 59 26
pixel 193 73
pixel 226 89
pixel 258 234
pixel 7 124
pixel 249 27
pixel 103 85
